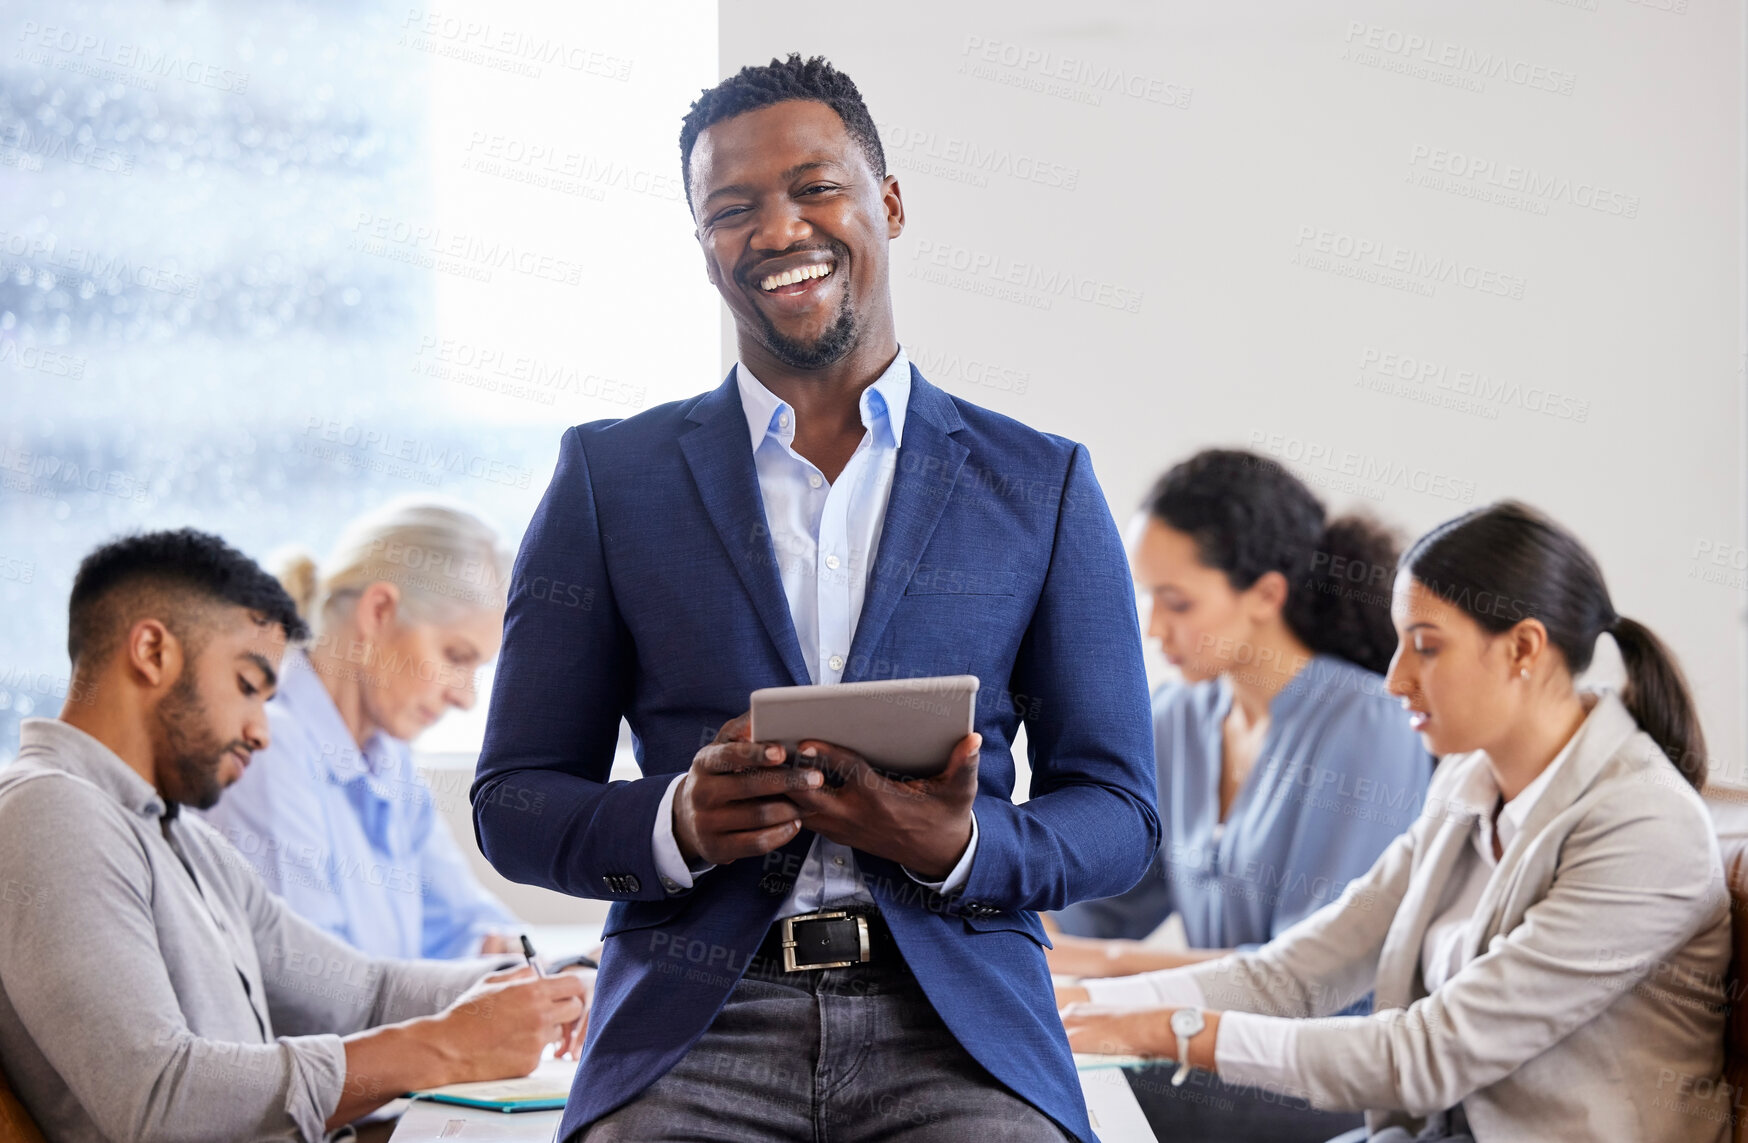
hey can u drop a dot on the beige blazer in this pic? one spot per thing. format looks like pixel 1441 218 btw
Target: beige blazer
pixel 1591 1000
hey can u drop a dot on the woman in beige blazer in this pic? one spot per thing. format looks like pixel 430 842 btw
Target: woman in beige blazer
pixel 1547 945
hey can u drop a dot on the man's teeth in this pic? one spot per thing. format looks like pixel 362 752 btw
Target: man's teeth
pixel 799 274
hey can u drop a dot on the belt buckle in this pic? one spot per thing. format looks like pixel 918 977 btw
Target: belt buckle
pixel 787 933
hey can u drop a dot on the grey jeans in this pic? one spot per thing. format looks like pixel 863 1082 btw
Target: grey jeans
pixel 850 1055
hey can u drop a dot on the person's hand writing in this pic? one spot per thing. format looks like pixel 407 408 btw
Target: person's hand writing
pixel 499 1028
pixel 923 824
pixel 734 801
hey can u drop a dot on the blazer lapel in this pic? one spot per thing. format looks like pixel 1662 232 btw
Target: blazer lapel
pixel 1399 963
pixel 929 461
pixel 1603 733
pixel 722 466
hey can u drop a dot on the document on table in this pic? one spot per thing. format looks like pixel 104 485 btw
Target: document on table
pixel 1111 1106
pixel 1090 1062
pixel 543 1090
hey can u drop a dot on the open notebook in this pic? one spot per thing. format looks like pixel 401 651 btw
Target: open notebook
pixel 544 1090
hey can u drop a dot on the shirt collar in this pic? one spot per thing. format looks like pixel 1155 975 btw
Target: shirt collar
pixel 58 745
pixel 303 696
pixel 884 402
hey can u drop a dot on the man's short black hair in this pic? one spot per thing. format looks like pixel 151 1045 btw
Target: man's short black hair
pixel 778 82
pixel 181 571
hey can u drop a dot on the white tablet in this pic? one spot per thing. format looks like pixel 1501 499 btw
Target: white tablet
pixel 903 726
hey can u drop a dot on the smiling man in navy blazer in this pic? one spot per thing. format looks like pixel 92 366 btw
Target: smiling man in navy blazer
pixel 825 515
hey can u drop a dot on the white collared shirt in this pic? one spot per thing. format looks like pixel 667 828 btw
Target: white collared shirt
pixel 824 535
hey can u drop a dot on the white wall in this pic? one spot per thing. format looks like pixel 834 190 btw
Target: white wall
pixel 1198 172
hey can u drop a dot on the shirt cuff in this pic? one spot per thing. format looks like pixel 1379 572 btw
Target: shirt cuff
pixel 670 865
pixel 959 874
pixel 1259 1051
pixel 1167 988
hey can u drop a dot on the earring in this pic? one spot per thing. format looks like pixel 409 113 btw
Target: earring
pixel 1524 673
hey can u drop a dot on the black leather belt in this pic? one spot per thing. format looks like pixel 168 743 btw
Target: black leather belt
pixel 833 938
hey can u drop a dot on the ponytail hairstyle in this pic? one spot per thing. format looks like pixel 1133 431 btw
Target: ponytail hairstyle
pixel 445 561
pixel 1249 516
pixel 1507 562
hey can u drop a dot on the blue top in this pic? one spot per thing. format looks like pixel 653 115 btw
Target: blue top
pixel 352 838
pixel 1338 777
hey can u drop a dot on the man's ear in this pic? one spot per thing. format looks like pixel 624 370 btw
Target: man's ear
pixel 894 200
pixel 153 653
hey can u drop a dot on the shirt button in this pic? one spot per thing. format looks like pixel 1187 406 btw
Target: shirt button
pixel 814 479
pixel 836 662
pixel 783 419
pixel 831 562
pixel 837 861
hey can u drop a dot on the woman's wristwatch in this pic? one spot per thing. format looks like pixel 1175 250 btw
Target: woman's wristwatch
pixel 1186 1023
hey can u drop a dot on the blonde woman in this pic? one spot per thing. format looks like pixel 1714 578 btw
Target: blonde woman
pixel 1548 944
pixel 406 608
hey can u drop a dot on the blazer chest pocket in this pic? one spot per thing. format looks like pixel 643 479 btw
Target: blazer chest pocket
pixel 956 580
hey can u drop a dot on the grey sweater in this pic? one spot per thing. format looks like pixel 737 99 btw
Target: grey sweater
pixel 150 986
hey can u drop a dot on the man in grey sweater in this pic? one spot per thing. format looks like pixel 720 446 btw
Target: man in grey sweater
pixel 150 986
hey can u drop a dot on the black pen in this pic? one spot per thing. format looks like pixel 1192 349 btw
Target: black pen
pixel 568 962
pixel 528 951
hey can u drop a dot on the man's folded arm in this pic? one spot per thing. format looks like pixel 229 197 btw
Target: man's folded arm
pixel 1091 826
pixel 543 809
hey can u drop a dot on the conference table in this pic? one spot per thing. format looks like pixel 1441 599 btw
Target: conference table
pixel 1115 1114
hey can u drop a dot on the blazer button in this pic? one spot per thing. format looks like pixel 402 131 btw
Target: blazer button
pixel 632 884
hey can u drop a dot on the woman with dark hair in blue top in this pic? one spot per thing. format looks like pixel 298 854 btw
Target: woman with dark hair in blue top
pixel 1284 767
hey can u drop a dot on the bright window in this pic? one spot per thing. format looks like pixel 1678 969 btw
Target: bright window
pixel 262 268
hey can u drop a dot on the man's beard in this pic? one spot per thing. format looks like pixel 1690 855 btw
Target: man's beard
pixel 829 347
pixel 192 753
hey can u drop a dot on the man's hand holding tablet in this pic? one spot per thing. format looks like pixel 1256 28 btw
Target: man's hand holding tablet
pixel 741 799
pixel 924 824
pixel 734 800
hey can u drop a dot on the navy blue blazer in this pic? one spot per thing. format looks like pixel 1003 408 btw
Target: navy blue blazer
pixel 647 588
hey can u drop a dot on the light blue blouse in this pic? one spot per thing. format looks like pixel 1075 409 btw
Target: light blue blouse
pixel 1339 775
pixel 351 838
